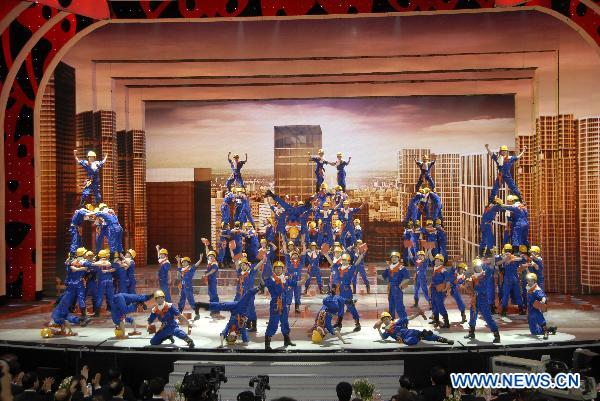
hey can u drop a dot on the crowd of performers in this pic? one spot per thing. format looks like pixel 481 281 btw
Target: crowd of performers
pixel 319 232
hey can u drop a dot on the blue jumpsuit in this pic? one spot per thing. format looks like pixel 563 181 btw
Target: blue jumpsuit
pixel 407 245
pixel 223 255
pixel 535 317
pixel 93 173
pixel 313 260
pixel 488 241
pixel 395 274
pixel 332 305
pixel 360 269
pixel 294 270
pixel 399 331
pixel 490 272
pixel 101 234
pixel 92 282
pixel 278 311
pixel 456 281
pixel 425 174
pixel 347 218
pixel 243 211
pixel 226 208
pixel 412 213
pixel 167 316
pixel 505 176
pixel 325 231
pixel 520 227
pixel 480 304
pixel 252 245
pixel 269 233
pixel 105 286
pixel 438 307
pixel 436 207
pixel 421 285
pixel 75 287
pixel 343 279
pixel 60 313
pixel 511 284
pixel 115 231
pixel 131 281
pixel 358 233
pixel 236 174
pixel 123 304
pixel 187 287
pixel 430 235
pixel 237 235
pixel 163 278
pixel 211 281
pixel 237 309
pixel 121 276
pixel 442 241
pixel 245 284
pixel 280 220
pixel 539 272
pixel 75 230
pixel 341 173
pixel 319 171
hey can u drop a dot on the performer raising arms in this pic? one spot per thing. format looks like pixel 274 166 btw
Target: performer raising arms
pixel 92 169
pixel 320 163
pixel 341 164
pixel 236 170
pixel 504 163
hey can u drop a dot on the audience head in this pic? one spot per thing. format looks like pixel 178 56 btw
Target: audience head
pixel 438 375
pixel 344 391
pixel 30 381
pixel 62 394
pixel 245 396
pixel 157 385
pixel 405 382
pixel 404 395
pixel 114 373
pixel 116 388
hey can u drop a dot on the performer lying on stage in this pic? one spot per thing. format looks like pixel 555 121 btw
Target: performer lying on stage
pixel 124 304
pixel 399 331
pixel 332 305
pixel 61 318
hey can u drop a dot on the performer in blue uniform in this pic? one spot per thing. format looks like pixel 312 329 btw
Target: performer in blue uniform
pixel 92 169
pixel 75 229
pixel 440 286
pixel 101 231
pixel 520 221
pixel 105 270
pixel 294 262
pixel 399 331
pixel 163 272
pixel 243 211
pixel 62 318
pixel 332 305
pixel 187 271
pixel 488 265
pixel 412 213
pixel 278 285
pixel 421 266
pixel 236 244
pixel 223 254
pixel 129 261
pixel 211 274
pixel 511 281
pixel 537 304
pixel 228 200
pixel 346 215
pixel 320 163
pixel 398 278
pixel 537 265
pixel 407 245
pixel 488 240
pixel 75 285
pixel 504 163
pixel 313 261
pixel 236 170
pixel 358 232
pixel 124 304
pixel 480 305
pixel 456 275
pixel 167 315
pixel 115 231
pixel 246 273
pixel 360 267
pixel 425 167
pixel 342 279
pixel 341 164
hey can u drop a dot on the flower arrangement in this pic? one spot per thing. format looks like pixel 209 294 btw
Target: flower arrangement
pixel 364 389
pixel 453 396
pixel 66 383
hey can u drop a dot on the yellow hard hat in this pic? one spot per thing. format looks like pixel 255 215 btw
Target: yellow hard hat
pixel 338 223
pixel 439 256
pixel 80 251
pixel 324 186
pixel 102 206
pixel 503 148
pixel 89 253
pixel 429 223
pixel 278 263
pixel 346 202
pixel 325 204
pixel 91 153
pixel 103 253
pixel 346 257
pixel 417 223
pixel 462 265
pixel 337 243
pixel 438 221
pixel 339 154
pixel 119 332
pixel 247 224
pixel 237 224
pixel 512 198
pixel 317 338
pixel 507 247
pixel 132 253
pixel 522 248
pixel 236 156
pixel 425 190
pixel 163 251
pixel 158 294
pixel 356 221
pixel 420 253
pixel 46 332
pixel 338 187
pixel 186 259
pixel 89 207
pixel 211 253
pixel 290 243
pixel 395 253
pixel 535 248
pixel 321 152
pixel 385 314
pixel 263 241
pixel 477 262
pixel 359 242
pixel 312 224
pixel 337 249
pixel 231 338
pixel 531 276
pixel 313 244
pixel 244 261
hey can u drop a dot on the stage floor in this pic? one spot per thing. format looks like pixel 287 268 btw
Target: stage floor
pixel 578 320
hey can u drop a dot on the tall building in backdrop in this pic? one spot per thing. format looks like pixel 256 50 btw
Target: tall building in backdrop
pixel 524 176
pixel 589 203
pixel 131 190
pixel 408 174
pixel 556 200
pixel 59 192
pixel 477 174
pixel 294 173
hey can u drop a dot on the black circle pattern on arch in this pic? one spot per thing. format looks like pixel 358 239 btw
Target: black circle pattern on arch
pixel 25 202
pixel 21 150
pixel 13 185
pixel 46 12
pixel 65 3
pixel 190 4
pixel 581 9
pixel 65 25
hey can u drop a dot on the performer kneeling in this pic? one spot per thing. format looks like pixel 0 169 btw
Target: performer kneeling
pixel 399 331
pixel 122 305
pixel 537 304
pixel 166 313
pixel 332 305
pixel 239 316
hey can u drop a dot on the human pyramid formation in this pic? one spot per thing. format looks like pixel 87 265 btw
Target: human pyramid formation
pixel 319 231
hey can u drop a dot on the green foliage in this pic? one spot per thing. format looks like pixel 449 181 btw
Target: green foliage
pixel 364 389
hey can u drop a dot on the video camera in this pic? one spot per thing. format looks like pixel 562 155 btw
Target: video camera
pixel 203 383
pixel 261 385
